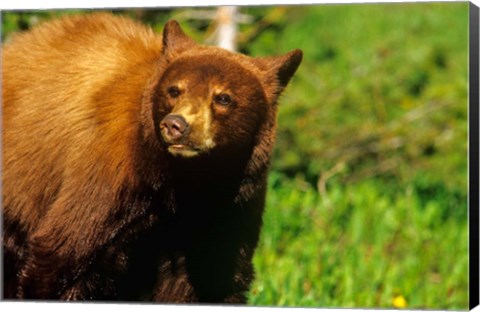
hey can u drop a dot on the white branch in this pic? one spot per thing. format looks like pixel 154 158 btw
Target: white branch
pixel 227 27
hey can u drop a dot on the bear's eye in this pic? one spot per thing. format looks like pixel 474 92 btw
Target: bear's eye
pixel 173 91
pixel 223 99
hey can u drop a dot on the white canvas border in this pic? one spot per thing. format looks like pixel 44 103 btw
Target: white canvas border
pixel 51 4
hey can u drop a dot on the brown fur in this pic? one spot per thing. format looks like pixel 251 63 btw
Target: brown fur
pixel 96 205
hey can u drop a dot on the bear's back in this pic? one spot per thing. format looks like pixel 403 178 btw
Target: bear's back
pixel 73 54
pixel 71 87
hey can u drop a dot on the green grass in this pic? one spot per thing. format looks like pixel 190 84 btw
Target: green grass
pixel 393 222
pixel 366 68
pixel 360 246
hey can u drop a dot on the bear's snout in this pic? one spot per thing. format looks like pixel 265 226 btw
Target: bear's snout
pixel 174 128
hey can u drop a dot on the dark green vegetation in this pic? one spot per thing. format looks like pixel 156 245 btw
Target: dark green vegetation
pixel 368 189
pixel 368 197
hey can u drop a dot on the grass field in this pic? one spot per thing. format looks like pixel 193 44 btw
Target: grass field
pixel 396 239
pixel 361 246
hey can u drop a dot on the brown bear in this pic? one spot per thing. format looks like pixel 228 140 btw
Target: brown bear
pixel 134 165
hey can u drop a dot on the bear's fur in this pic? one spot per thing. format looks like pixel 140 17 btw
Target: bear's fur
pixel 104 198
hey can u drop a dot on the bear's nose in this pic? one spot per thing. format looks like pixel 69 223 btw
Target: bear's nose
pixel 173 127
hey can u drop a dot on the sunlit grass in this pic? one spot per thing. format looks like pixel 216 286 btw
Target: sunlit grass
pixel 359 246
pixel 398 240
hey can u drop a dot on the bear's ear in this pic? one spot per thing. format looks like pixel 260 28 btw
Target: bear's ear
pixel 287 66
pixel 174 39
pixel 280 70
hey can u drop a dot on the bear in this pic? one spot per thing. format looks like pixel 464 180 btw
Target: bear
pixel 134 163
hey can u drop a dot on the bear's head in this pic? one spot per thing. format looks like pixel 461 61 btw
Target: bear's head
pixel 208 100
